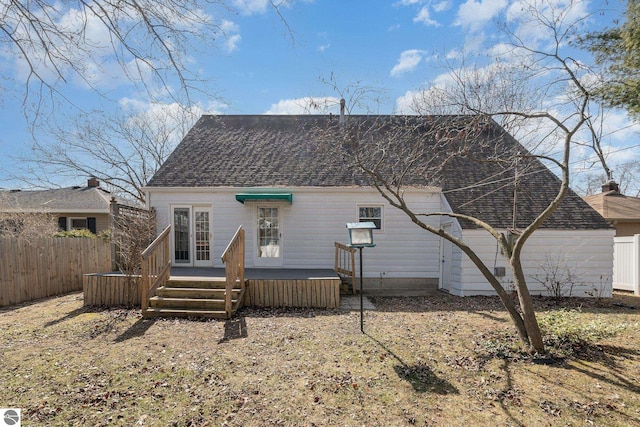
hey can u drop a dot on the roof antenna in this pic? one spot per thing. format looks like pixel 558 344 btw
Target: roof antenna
pixel 342 104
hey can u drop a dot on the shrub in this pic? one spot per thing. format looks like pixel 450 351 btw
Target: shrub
pixel 567 331
pixel 75 233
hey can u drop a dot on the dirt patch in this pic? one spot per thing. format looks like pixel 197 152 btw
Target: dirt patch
pixel 437 361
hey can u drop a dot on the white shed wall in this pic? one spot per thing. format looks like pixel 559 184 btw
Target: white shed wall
pixel 582 257
pixel 403 250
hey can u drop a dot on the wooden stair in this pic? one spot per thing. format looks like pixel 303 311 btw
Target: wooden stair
pixel 346 285
pixel 193 297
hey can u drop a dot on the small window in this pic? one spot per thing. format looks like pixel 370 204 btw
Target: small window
pixel 77 223
pixel 371 214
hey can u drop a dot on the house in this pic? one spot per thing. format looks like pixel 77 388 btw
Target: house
pixel 624 213
pixel 74 207
pixel 274 176
pixel 620 210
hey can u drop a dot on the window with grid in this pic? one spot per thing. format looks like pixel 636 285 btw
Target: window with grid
pixel 371 214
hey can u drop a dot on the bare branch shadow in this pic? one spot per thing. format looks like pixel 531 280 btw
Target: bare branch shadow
pixel 136 330
pixel 72 314
pixel 419 375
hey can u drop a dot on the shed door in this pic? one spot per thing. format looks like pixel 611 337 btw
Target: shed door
pixel 446 264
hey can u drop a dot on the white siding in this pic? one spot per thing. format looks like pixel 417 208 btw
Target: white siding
pixel 586 256
pixel 319 216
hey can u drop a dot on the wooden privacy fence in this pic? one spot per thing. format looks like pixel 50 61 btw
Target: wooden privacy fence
pixel 37 268
pixel 112 289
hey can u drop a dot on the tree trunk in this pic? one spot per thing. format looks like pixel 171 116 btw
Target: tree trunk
pixel 526 305
pixel 505 298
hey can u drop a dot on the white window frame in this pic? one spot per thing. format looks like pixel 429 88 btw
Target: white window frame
pixel 275 261
pixel 71 219
pixel 375 206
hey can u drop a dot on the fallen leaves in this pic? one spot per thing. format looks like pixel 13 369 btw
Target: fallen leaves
pixel 424 361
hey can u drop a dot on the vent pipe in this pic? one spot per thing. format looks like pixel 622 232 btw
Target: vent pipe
pixel 342 104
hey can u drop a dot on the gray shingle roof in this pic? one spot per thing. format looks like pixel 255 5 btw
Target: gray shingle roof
pixel 67 199
pixel 253 151
pixel 280 151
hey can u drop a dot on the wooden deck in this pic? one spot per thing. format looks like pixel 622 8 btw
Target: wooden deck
pixel 168 290
pixel 255 273
pixel 265 287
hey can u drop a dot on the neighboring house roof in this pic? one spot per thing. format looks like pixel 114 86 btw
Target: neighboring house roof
pixel 615 206
pixel 89 199
pixel 288 151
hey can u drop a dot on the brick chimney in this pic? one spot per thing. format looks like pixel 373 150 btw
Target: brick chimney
pixel 611 186
pixel 93 182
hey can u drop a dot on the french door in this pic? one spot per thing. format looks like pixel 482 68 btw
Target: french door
pixel 268 249
pixel 192 237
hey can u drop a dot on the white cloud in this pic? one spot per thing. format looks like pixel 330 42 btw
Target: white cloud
pixel 171 120
pixel 136 106
pixel 232 42
pixel 425 17
pixel 305 105
pixel 453 54
pixel 324 42
pixel 408 61
pixel 526 18
pixel 230 31
pixel 405 103
pixel 249 7
pixel 620 130
pixel 442 6
pixel 473 15
pixel 86 52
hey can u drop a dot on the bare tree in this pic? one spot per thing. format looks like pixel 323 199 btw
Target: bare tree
pixel 132 230
pixel 536 93
pixel 97 45
pixel 16 222
pixel 121 151
pixel 146 42
pixel 627 175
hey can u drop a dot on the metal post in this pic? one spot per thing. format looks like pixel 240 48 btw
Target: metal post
pixel 361 297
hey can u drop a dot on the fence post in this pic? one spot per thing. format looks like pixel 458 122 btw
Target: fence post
pixel 636 264
pixel 113 210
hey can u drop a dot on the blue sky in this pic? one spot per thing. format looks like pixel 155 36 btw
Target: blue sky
pixel 260 67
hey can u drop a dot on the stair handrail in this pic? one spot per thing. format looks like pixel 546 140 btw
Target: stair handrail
pixel 233 259
pixel 156 266
pixel 345 263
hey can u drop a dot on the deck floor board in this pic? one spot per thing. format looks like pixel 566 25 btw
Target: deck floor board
pixel 255 273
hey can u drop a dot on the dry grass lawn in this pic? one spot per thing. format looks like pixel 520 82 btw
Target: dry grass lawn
pixel 438 361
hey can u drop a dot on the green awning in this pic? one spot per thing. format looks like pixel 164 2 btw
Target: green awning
pixel 243 197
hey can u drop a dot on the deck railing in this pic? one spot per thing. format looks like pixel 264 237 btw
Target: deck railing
pixel 345 263
pixel 156 266
pixel 233 259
